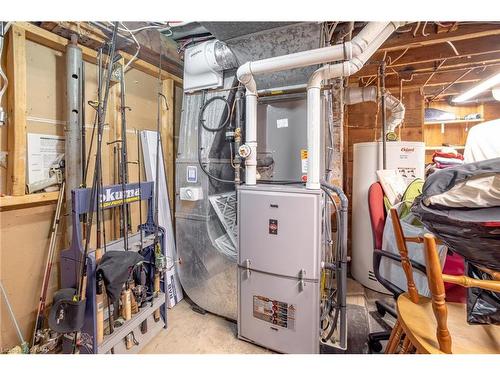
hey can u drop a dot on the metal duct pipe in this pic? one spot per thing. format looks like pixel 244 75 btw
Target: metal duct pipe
pixel 74 110
pixel 355 95
pixel 346 51
pixel 344 69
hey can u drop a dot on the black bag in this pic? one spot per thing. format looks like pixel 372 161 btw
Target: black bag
pixel 483 306
pixel 474 233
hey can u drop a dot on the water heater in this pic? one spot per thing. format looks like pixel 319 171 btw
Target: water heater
pixel 406 157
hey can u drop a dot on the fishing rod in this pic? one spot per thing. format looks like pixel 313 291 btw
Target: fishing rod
pixel 81 291
pixel 124 164
pixel 139 167
pixel 157 250
pixel 40 315
pixel 24 345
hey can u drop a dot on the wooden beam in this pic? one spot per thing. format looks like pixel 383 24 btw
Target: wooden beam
pixel 167 135
pixel 150 69
pixel 16 104
pixel 11 202
pixel 402 41
pixel 456 89
pixel 46 38
pixel 440 77
pixel 428 63
pixel 434 54
pixel 41 36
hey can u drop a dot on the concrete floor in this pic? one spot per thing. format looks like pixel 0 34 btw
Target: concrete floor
pixel 189 332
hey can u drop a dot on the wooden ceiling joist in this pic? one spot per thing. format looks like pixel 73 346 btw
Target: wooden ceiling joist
pixel 401 41
pixel 442 77
pixel 471 50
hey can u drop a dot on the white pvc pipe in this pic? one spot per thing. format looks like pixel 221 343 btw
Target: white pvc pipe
pixel 251 139
pixel 345 51
pixel 344 69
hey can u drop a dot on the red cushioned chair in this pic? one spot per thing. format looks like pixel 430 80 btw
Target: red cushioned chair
pixel 377 218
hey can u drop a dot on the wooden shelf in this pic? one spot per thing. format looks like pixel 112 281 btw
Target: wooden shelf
pixel 27 200
pixel 437 148
pixel 452 121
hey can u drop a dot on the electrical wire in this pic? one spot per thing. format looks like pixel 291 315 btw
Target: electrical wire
pixel 138 47
pixel 5 81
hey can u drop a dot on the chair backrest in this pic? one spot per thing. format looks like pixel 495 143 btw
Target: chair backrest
pixel 377 213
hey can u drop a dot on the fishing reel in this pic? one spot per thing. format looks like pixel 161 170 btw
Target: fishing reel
pixel 46 341
pixel 160 259
pixel 140 294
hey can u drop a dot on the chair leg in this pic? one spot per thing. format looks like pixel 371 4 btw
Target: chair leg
pixel 407 346
pixel 394 339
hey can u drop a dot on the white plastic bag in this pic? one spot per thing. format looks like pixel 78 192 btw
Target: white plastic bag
pixel 392 270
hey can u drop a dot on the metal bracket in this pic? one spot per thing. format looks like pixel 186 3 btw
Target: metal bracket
pixel 246 264
pixel 302 283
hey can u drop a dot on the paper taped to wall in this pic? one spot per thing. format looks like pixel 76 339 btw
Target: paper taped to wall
pixel 43 151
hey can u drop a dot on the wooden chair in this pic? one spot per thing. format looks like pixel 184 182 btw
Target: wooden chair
pixel 432 325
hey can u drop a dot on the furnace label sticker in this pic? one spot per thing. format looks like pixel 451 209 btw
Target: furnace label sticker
pixel 303 160
pixel 277 313
pixel 282 123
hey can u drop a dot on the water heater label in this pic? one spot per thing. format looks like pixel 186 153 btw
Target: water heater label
pixel 278 313
pixel 273 226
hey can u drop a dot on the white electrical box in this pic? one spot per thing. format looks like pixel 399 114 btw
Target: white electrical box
pixel 191 193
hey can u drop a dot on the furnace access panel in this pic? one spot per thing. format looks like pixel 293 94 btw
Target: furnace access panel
pixel 279 267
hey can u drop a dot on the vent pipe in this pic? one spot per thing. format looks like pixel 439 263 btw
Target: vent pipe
pixel 343 69
pixel 74 111
pixel 355 95
pixel 360 45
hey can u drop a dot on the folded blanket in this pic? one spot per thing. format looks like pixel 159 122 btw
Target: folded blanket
pixel 451 161
pixel 453 155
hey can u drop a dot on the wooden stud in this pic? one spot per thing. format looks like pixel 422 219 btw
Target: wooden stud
pixel 16 104
pixel 436 285
pixel 167 136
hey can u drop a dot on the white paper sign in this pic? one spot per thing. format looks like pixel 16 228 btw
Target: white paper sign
pixel 282 123
pixel 43 151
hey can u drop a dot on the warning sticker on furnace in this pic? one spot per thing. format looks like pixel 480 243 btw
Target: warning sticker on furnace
pixel 275 312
